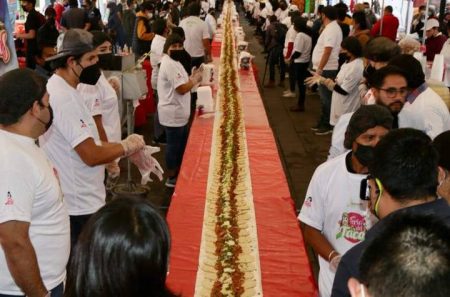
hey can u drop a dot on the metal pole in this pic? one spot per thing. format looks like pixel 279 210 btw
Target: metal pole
pixel 407 24
pixel 426 18
pixel 382 15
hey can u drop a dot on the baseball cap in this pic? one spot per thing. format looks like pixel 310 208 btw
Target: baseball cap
pixel 73 42
pixel 431 23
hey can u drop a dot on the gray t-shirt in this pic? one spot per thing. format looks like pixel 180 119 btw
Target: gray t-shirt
pixel 74 18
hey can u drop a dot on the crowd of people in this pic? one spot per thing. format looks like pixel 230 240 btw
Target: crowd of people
pixel 61 137
pixel 380 198
pixel 387 162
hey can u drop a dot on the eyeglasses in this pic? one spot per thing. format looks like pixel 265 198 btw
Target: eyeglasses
pixel 392 92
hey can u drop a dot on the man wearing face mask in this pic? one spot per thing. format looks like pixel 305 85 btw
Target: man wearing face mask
pixel 34 224
pixel 101 100
pixel 46 49
pixel 143 35
pixel 335 218
pixel 389 87
pixel 73 143
pixel 34 21
pixel 401 179
pixel 174 105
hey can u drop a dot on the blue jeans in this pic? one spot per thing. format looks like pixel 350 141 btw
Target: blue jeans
pixel 325 98
pixel 176 143
pixel 56 292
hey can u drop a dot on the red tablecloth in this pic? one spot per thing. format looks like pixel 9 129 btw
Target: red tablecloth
pixel 285 269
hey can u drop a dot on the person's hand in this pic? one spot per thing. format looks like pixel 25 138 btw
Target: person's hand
pixel 315 79
pixel 319 71
pixel 287 61
pixel 208 59
pixel 334 262
pixel 147 164
pixel 132 144
pixel 197 75
pixel 113 169
pixel 115 83
pixel 329 83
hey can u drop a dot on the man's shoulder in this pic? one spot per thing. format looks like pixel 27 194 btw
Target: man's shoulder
pixel 331 166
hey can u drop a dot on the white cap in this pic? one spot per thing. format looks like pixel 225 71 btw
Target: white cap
pixel 431 23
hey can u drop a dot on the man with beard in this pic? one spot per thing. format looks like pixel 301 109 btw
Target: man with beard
pixel 424 109
pixel 389 88
pixel 335 218
pixel 403 179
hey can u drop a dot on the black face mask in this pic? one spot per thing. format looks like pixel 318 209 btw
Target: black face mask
pixel 90 75
pixel 177 55
pixel 364 154
pixel 105 61
pixel 368 71
pixel 50 121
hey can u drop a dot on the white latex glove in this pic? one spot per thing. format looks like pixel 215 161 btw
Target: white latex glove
pixel 132 144
pixel 334 263
pixel 115 83
pixel 197 75
pixel 315 79
pixel 329 83
pixel 147 164
pixel 113 169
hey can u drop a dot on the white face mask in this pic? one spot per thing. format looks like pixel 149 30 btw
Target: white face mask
pixel 150 15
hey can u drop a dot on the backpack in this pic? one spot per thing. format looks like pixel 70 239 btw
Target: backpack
pixel 280 32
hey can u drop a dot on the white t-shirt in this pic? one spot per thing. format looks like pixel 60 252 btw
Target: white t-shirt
pixel 173 108
pixel 331 37
pixel 156 51
pixel 337 139
pixel 212 4
pixel 303 44
pixel 212 25
pixel 446 52
pixel 333 206
pixel 195 30
pixel 348 79
pixel 30 192
pixel 290 37
pixel 82 185
pixel 101 99
pixel 281 14
pixel 287 21
pixel 427 113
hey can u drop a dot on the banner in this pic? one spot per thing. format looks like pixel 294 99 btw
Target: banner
pixel 8 58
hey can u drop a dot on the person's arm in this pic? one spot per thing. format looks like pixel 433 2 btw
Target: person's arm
pixel 30 35
pixel 184 88
pixel 87 26
pixel 341 278
pixel 324 60
pixel 21 258
pixel 319 243
pixel 142 32
pixel 92 154
pixel 100 128
pixel 375 31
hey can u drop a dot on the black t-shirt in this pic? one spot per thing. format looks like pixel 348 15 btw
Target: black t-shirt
pixel 34 21
pixel 94 18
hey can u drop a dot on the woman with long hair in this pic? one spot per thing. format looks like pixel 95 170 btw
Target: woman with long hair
pixel 123 251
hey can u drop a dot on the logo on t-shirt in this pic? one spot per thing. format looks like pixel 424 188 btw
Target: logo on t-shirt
pixel 308 201
pixel 352 227
pixel 9 199
pixel 97 103
pixel 83 124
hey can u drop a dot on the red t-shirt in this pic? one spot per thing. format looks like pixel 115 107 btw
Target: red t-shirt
pixel 434 46
pixel 390 27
